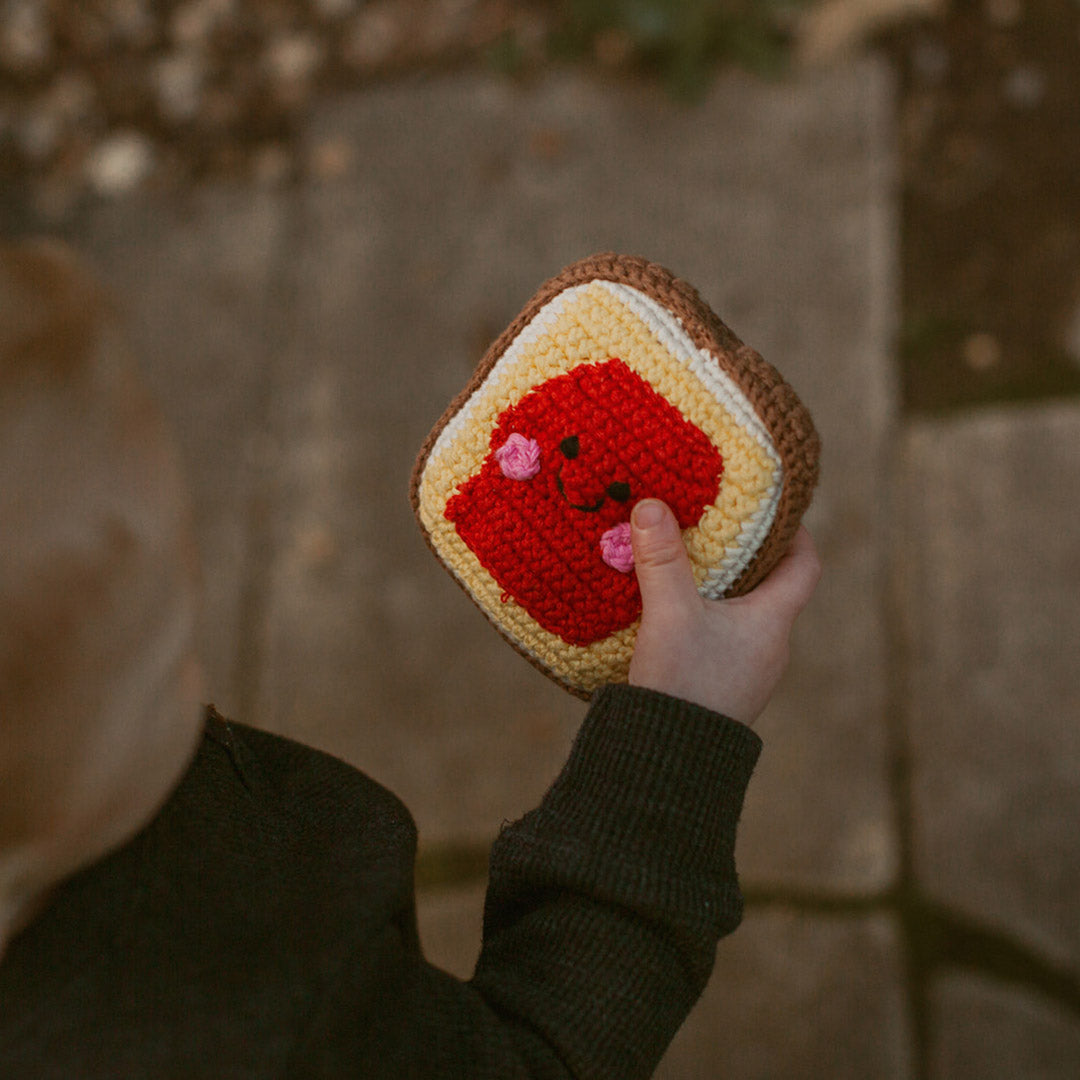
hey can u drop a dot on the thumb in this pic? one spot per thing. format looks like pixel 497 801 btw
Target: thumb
pixel 660 560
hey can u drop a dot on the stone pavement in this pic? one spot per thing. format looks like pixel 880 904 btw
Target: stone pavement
pixel 908 848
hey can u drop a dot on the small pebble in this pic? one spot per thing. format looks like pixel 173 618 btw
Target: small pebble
pixel 613 47
pixel 38 133
pixel 193 23
pixel 531 33
pixel 56 198
pixel 334 9
pixel 1025 87
pixel 178 85
pixel 446 24
pixel 1004 13
pixel 272 165
pixel 982 352
pixel 132 22
pixel 548 144
pixel 317 546
pixel 25 35
pixel 72 95
pixel 295 59
pixel 48 121
pixel 221 107
pixel 930 62
pixel 332 159
pixel 373 37
pixel 120 163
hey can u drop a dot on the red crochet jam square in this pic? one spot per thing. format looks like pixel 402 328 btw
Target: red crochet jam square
pixel 606 439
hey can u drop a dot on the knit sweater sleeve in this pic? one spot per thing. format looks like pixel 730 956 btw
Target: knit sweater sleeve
pixel 603 911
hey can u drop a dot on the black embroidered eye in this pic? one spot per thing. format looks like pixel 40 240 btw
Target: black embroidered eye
pixel 619 491
pixel 570 446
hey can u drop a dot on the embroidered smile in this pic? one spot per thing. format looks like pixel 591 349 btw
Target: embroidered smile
pixel 570 447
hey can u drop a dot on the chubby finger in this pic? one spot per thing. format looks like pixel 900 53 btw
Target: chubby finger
pixel 660 560
pixel 791 583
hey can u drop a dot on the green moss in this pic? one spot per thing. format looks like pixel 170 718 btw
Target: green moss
pixel 684 39
pixel 505 54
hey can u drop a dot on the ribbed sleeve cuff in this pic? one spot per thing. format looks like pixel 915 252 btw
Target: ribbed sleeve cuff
pixel 645 809
pixel 655 743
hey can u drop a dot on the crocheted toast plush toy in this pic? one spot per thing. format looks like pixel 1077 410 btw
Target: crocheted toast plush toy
pixel 615 383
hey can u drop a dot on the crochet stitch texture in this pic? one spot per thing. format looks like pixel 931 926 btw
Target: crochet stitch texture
pixel 615 383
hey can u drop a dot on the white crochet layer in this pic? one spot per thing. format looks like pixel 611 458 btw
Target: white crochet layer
pixel 668 330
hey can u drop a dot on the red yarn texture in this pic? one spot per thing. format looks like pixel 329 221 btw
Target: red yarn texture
pixel 601 428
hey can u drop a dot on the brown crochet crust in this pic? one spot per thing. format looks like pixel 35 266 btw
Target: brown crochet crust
pixel 775 402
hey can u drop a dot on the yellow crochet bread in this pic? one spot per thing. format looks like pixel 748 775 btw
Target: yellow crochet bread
pixel 615 383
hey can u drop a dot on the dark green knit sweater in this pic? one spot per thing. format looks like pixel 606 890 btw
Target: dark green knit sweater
pixel 264 925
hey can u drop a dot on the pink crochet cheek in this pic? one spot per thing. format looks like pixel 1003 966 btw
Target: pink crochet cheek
pixel 616 549
pixel 519 457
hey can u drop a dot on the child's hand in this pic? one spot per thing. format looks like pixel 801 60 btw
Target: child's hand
pixel 727 655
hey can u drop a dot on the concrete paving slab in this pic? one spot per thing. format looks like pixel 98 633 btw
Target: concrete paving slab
pixel 991 580
pixel 991 1031
pixel 196 283
pixel 369 650
pixel 799 996
pixel 467 191
pixel 451 927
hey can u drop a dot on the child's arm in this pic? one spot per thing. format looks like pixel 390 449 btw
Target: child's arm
pixel 606 902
